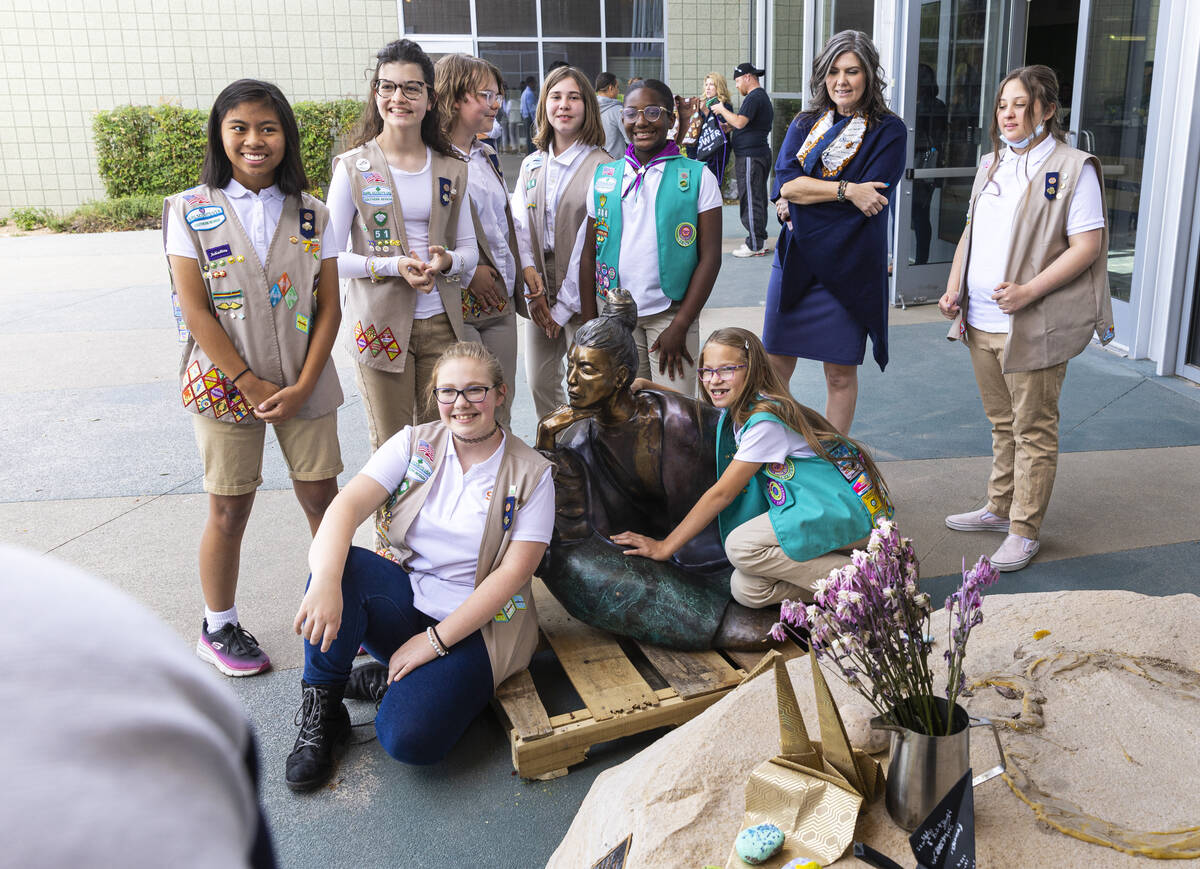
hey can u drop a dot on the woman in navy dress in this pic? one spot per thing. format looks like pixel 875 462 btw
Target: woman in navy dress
pixel 834 178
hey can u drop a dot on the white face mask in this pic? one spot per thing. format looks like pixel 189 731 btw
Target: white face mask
pixel 1024 143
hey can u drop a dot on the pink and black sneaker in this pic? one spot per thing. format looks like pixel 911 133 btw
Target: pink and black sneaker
pixel 232 650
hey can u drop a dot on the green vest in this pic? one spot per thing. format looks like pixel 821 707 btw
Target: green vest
pixel 675 217
pixel 816 506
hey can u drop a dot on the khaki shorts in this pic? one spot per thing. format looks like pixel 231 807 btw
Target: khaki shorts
pixel 233 453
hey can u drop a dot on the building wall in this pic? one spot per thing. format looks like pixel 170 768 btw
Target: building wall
pixel 64 60
pixel 703 36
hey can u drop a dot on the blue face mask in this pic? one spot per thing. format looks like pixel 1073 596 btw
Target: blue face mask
pixel 1024 143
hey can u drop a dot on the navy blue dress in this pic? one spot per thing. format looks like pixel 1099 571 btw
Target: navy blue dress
pixel 828 286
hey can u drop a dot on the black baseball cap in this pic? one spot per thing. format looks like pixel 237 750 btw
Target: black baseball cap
pixel 748 69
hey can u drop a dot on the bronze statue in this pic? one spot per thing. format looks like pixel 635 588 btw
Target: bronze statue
pixel 636 461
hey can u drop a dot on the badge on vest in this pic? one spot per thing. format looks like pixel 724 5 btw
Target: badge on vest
pixel 608 170
pixel 302 323
pixel 204 217
pixel 684 179
pixel 377 194
pixel 1051 185
pixel 685 234
pixel 1108 335
pixel 372 178
pixel 510 608
pixel 445 191
pixel 308 223
pixel 221 250
pixel 380 217
pixel 283 285
pixel 606 184
pixel 362 164
pixel 776 494
pixel 229 302
pixel 510 506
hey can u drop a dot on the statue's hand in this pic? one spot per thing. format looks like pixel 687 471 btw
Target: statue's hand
pixel 552 423
pixel 640 383
pixel 640 544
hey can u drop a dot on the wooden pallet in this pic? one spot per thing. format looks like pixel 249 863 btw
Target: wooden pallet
pixel 618 699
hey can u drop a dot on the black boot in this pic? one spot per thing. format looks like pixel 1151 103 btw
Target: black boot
pixel 324 733
pixel 368 682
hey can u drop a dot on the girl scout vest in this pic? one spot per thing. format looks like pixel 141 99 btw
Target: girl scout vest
pixel 266 309
pixel 675 216
pixel 473 311
pixel 511 635
pixel 815 506
pixel 380 314
pixel 568 215
pixel 1060 324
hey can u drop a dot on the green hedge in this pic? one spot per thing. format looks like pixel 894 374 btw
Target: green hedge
pixel 158 150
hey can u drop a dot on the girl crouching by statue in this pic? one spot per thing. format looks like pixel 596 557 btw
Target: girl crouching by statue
pixel 467 512
pixel 793 496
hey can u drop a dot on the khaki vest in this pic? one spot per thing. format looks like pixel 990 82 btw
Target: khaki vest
pixel 1058 326
pixel 267 310
pixel 380 314
pixel 568 216
pixel 511 635
pixel 472 309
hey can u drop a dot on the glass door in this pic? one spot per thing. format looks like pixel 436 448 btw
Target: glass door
pixel 1115 65
pixel 953 53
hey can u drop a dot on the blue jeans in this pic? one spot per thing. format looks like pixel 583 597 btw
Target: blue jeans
pixel 424 714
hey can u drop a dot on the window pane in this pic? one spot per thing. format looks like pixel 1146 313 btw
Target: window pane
pixel 787 72
pixel 627 59
pixel 577 18
pixel 584 56
pixel 640 19
pixel 834 16
pixel 506 18
pixel 516 60
pixel 437 16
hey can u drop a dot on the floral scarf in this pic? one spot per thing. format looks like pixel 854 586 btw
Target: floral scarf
pixel 833 145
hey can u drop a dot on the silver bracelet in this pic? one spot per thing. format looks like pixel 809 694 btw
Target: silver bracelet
pixel 433 641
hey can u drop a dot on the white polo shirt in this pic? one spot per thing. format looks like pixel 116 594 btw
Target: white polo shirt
pixel 258 213
pixel 446 534
pixel 992 223
pixel 769 442
pixel 639 272
pixel 558 171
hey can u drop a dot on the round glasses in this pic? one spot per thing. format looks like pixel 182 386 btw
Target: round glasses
pixel 473 394
pixel 412 90
pixel 651 113
pixel 723 373
pixel 489 97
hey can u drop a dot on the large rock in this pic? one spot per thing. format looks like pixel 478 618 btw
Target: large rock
pixel 1119 745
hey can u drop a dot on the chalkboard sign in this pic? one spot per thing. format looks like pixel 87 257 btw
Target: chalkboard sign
pixel 946 839
pixel 615 859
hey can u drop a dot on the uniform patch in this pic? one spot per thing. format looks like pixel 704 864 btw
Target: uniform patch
pixel 212 390
pixel 445 191
pixel 196 199
pixel 380 217
pixel 1051 185
pixel 367 339
pixel 784 470
pixel 606 185
pixel 204 217
pixel 291 297
pixel 229 302
pixel 685 234
pixel 1108 335
pixel 221 250
pixel 377 194
pixel 511 607
pixel 372 178
pixel 308 223
pixel 510 506
pixel 362 164
pixel 684 179
pixel 776 494
pixel 302 323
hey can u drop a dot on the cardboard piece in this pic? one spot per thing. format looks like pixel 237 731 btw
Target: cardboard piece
pixel 946 839
pixel 813 791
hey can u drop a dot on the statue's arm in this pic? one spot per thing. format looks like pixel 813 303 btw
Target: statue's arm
pixel 552 423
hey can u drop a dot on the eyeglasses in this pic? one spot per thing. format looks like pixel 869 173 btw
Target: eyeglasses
pixel 412 90
pixel 651 113
pixel 473 394
pixel 723 373
pixel 489 97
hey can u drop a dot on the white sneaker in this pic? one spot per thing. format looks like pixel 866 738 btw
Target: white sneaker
pixel 744 251
pixel 1014 553
pixel 982 519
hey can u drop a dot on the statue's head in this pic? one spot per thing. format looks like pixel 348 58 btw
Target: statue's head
pixel 604 359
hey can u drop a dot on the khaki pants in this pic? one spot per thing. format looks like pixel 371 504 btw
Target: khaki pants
pixel 763 575
pixel 1023 409
pixel 646 333
pixel 499 334
pixel 394 399
pixel 544 368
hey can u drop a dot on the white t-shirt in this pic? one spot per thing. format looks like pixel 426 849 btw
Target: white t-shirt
pixel 992 223
pixel 414 192
pixel 639 234
pixel 446 534
pixel 769 442
pixel 556 174
pixel 490 198
pixel 258 213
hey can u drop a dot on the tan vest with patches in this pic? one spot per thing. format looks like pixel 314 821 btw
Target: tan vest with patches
pixel 570 213
pixel 266 309
pixel 511 635
pixel 380 313
pixel 472 309
pixel 1060 324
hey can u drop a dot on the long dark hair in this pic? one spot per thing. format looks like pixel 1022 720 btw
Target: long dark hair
pixel 873 105
pixel 404 51
pixel 217 170
pixel 1041 84
pixel 765 391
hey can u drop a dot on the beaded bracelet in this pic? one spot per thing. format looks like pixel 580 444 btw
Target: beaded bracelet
pixel 841 194
pixel 435 642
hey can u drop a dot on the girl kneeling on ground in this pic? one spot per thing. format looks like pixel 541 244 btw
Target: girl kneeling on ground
pixel 793 495
pixel 468 511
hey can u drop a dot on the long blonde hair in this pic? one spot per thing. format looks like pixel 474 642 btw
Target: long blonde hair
pixel 765 392
pixel 592 132
pixel 721 85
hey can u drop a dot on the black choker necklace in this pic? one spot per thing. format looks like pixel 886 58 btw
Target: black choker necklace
pixel 478 440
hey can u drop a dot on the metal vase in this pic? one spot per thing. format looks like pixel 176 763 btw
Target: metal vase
pixel 923 768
